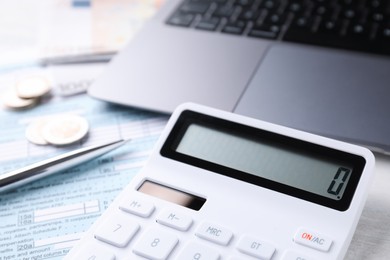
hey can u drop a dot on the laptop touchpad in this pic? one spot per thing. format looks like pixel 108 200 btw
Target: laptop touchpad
pixel 333 93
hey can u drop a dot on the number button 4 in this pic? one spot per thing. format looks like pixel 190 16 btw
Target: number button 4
pixel 155 244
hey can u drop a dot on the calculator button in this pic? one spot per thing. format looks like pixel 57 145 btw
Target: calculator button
pixel 174 220
pixel 196 251
pixel 155 244
pixel 214 233
pixel 255 247
pixel 137 207
pixel 312 239
pixel 117 232
pixel 94 252
pixel 291 255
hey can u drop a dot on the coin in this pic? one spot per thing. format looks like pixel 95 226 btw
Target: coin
pixel 11 100
pixel 65 129
pixel 32 87
pixel 34 131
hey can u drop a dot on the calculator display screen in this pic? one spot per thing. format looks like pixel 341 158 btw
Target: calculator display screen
pixel 285 165
pixel 295 167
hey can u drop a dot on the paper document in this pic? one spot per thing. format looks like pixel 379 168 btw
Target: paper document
pixel 45 218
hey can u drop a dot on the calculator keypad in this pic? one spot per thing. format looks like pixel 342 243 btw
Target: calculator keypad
pixel 158 243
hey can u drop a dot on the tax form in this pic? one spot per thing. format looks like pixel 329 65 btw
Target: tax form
pixel 45 218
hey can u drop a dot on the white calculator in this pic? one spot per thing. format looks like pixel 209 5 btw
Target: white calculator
pixel 223 186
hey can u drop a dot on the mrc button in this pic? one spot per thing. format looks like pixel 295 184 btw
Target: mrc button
pixel 214 233
pixel 312 239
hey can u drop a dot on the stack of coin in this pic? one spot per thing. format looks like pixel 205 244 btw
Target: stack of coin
pixel 26 93
pixel 59 130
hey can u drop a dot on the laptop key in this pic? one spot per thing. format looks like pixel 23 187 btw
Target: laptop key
pixel 237 27
pixel 244 3
pixel 210 24
pixel 199 7
pixel 250 15
pixel 377 17
pixel 265 31
pixel 224 11
pixel 330 27
pixel 180 19
pixel 383 44
pixel 358 31
pixel 275 19
pixel 295 7
pixel 270 4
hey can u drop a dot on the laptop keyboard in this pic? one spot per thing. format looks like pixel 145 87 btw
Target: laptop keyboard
pixel 360 25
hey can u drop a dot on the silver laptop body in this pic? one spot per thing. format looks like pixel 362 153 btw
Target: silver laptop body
pixel 336 93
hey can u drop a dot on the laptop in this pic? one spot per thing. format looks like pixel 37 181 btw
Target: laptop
pixel 318 66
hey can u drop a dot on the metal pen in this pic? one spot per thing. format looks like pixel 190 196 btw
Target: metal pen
pixel 101 57
pixel 46 167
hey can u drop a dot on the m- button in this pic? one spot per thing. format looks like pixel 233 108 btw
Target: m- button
pixel 174 220
pixel 214 233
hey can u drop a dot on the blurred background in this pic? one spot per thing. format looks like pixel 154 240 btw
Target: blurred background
pixel 31 30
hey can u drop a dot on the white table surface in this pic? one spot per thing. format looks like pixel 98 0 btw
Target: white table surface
pixel 372 237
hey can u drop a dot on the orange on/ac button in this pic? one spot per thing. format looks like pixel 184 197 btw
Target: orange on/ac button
pixel 312 239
